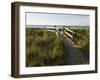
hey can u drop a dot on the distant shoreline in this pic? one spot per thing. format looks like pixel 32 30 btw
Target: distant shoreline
pixel 55 26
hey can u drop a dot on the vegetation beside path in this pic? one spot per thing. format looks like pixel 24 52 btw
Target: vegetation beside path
pixel 44 48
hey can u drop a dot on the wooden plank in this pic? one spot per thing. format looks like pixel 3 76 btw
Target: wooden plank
pixel 68 34
pixel 69 30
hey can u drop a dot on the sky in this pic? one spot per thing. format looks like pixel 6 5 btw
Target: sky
pixel 57 19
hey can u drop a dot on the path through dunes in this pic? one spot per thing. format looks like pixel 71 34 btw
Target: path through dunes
pixel 75 55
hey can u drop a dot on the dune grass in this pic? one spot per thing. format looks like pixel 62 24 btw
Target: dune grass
pixel 44 48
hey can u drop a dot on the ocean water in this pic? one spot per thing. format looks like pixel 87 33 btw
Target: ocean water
pixel 55 26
